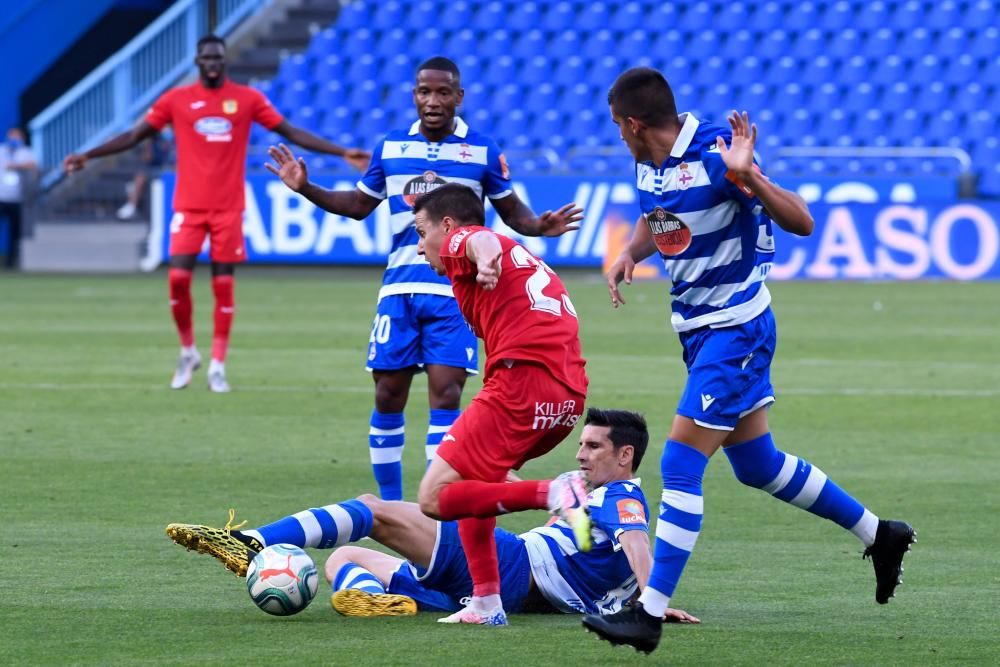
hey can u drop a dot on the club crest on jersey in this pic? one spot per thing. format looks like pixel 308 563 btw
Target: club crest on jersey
pixel 630 511
pixel 684 176
pixel 670 234
pixel 229 106
pixel 464 154
pixel 421 185
pixel 214 128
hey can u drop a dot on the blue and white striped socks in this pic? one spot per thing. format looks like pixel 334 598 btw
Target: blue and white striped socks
pixel 322 528
pixel 355 576
pixel 678 525
pixel 759 464
pixel 385 446
pixel 440 422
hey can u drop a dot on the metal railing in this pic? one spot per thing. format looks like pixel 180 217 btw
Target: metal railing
pixel 107 100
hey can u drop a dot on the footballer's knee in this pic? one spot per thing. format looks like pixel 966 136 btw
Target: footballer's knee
pixel 340 557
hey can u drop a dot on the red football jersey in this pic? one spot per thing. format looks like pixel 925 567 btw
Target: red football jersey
pixel 527 316
pixel 212 128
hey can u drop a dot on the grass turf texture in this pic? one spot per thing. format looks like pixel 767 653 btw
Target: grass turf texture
pixel 892 389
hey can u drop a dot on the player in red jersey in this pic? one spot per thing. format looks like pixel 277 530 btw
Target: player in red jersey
pixel 534 388
pixel 211 121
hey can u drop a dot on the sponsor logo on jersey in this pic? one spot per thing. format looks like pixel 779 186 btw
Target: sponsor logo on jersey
pixel 230 106
pixel 670 234
pixel 456 241
pixel 630 511
pixel 214 128
pixel 197 105
pixel 550 414
pixel 421 185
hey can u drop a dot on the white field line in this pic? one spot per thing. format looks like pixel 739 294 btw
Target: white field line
pixel 367 389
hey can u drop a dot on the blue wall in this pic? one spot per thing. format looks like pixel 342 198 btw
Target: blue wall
pixel 33 34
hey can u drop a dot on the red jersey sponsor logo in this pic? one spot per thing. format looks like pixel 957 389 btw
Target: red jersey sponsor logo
pixel 456 240
pixel 214 128
pixel 631 512
pixel 549 414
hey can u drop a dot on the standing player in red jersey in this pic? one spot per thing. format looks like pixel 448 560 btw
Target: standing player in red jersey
pixel 534 387
pixel 211 121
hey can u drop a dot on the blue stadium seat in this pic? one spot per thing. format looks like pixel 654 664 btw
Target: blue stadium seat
pixel 854 70
pixel 784 70
pixel 952 42
pixel 329 95
pixel 742 43
pixel 798 123
pixel 989 181
pixel 810 43
pixel 459 43
pixel 359 41
pixel 337 120
pixel 941 15
pixel 323 44
pixel 754 97
pixel 481 120
pixel 897 97
pixel 749 68
pixel 991 72
pixel 541 98
pixel 699 16
pixel 868 125
pixel 874 15
pixel 429 44
pixel 479 96
pixel 493 46
pixel 388 15
pixel 570 71
pixel 963 69
pixel 889 70
pixel 501 70
pixel 860 98
pixel 560 16
pixel 582 96
pixel 926 68
pixel 792 95
pixel 713 69
pixel 985 42
pixel 547 123
pixel 678 70
pixel 934 95
pixel 531 43
pixel 916 43
pixel 509 125
pixel 908 15
pixel 629 16
pixel 905 126
pixel 631 46
pixel 880 43
pixel 365 94
pixel 457 16
pixel 332 67
pixel 979 14
pixel 354 16
pixel 605 70
pixel 506 97
pixel 717 101
pixel 586 122
pixel 422 15
pixel 839 16
pixel 294 68
pixel 364 67
pixel 399 67
pixel 535 70
pixel 801 16
pixel 525 16
pixel 818 70
pixel 593 16
pixel 563 44
pixel 663 14
pixel 489 16
pixel 844 44
pixel 768 18
pixel 730 16
pixel 297 94
pixel 774 44
pixel 835 124
pixel 986 151
pixel 600 43
pixel 826 95
pixel 373 123
pixel 470 68
pixel 982 125
pixel 941 127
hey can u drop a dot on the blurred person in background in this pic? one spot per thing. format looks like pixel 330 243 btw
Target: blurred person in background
pixel 18 170
pixel 153 157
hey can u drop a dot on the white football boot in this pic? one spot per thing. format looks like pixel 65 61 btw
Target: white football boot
pixel 187 364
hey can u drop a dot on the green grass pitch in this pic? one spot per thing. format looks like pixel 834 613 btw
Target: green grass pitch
pixel 892 389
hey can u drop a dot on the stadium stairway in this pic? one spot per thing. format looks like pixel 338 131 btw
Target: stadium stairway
pixel 73 227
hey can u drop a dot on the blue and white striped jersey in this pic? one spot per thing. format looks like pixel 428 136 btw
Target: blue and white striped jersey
pixel 404 166
pixel 715 231
pixel 601 580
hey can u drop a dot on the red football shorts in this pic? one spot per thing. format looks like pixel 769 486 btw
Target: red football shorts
pixel 521 413
pixel 223 228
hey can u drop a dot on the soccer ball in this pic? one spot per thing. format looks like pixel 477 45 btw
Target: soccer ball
pixel 282 580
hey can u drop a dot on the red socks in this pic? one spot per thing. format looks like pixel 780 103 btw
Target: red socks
pixel 225 301
pixel 480 549
pixel 180 304
pixel 471 498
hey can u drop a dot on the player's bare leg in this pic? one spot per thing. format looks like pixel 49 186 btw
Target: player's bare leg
pixel 223 285
pixel 181 307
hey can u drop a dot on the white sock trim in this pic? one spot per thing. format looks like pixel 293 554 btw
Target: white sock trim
pixel 654 602
pixel 865 528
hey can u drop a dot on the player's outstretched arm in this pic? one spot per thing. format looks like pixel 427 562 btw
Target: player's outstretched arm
pixel 483 249
pixel 123 142
pixel 355 157
pixel 293 173
pixel 635 544
pixel 640 247
pixel 522 219
pixel 786 208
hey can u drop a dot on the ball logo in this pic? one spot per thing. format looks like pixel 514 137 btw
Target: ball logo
pixel 214 128
pixel 670 234
pixel 267 573
pixel 421 185
pixel 630 512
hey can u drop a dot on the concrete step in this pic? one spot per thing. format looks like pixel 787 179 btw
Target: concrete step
pixel 84 247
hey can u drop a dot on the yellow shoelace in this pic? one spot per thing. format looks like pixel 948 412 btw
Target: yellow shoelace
pixel 232 517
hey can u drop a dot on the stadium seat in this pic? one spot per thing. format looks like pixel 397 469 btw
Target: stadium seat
pixel 868 125
pixel 985 42
pixel 818 69
pixel 873 15
pixel 294 68
pixel 897 97
pixel 501 70
pixel 541 98
pixel 547 123
pixel 457 16
pixel 854 70
pixel 600 43
pixel 916 43
pixel 398 68
pixel 838 16
pixel 365 67
pixel 627 17
pixel 470 68
pixel 730 17
pixel 631 46
pixel 605 70
pixel 525 16
pixel 531 43
pixel 354 16
pixel 879 44
pixel 741 43
pixel 844 44
pixel 989 181
pixel 329 95
pixel 717 101
pixel 480 96
pixel 580 97
pixel 769 18
pixel 700 16
pixel 774 44
pixel 388 15
pixel 481 120
pixel 296 95
pixel 323 44
pixel 797 124
pixel 941 15
pixel 982 126
pixel 374 123
pixel 365 94
pixel 933 96
pixel 570 71
pixel 826 95
pixel 908 15
pixel 359 41
pixel 506 97
pixel 941 127
pixel 979 14
pixel 889 70
pixel 422 15
pixel 749 68
pixel 337 120
pixel 963 69
pixel 509 125
pixel 801 16
pixel 332 67
pixel 594 16
pixel 560 16
pixel 754 97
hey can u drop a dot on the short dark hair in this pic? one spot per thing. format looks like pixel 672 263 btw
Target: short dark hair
pixel 644 94
pixel 441 64
pixel 454 200
pixel 210 39
pixel 627 428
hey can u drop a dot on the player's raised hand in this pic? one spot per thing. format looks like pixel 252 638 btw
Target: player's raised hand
pixel 489 270
pixel 559 222
pixel 679 616
pixel 291 171
pixel 74 162
pixel 622 269
pixel 739 155
pixel 357 158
